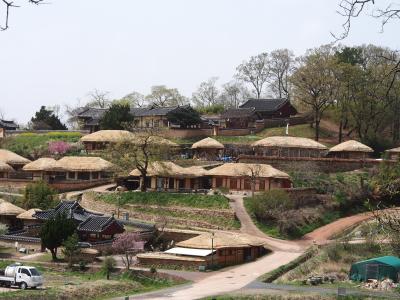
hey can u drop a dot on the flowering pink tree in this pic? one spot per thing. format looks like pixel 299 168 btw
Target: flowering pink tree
pixel 59 147
pixel 128 244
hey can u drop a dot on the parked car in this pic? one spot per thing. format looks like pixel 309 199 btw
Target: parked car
pixel 21 276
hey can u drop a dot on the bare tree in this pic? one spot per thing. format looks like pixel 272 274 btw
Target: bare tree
pixel 99 99
pixel 256 72
pixel 162 96
pixel 252 174
pixel 314 82
pixel 234 92
pixel 207 93
pixel 135 99
pixel 11 4
pixel 281 66
pixel 351 9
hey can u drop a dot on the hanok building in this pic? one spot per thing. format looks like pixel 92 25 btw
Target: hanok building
pixel 28 218
pixel 351 150
pixel 8 125
pixel 8 215
pixel 5 169
pixel 168 176
pixel 99 140
pixel 288 146
pixel 248 177
pixel 153 117
pixel 207 250
pixel 208 149
pixel 239 118
pixel 89 118
pixel 393 154
pixel 91 226
pixel 12 159
pixel 40 168
pixel 271 108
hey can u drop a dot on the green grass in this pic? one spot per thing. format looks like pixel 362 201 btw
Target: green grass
pixel 303 130
pixel 27 144
pixel 244 139
pixel 168 199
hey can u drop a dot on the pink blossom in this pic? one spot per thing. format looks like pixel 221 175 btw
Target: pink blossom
pixel 59 147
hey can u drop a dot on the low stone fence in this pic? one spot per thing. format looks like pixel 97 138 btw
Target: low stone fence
pixel 325 165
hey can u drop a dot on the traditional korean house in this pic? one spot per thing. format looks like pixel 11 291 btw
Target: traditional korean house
pixel 289 146
pixel 89 118
pixel 40 168
pixel 5 169
pixel 27 217
pixel 246 177
pixel 154 116
pixel 238 118
pixel 168 176
pixel 393 154
pixel 209 249
pixel 8 125
pixel 8 215
pixel 99 140
pixel 99 228
pixel 351 150
pixel 91 226
pixel 271 108
pixel 208 149
pixel 12 159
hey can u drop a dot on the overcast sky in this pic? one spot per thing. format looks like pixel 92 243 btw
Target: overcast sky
pixel 57 53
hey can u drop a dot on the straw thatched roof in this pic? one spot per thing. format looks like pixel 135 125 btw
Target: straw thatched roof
pixel 81 164
pixel 12 158
pixel 222 240
pixel 351 146
pixel 165 169
pixel 41 164
pixel 5 167
pixel 289 142
pixel 28 215
pixel 110 136
pixel 9 209
pixel 118 136
pixel 243 169
pixel 394 150
pixel 208 143
pixel 197 170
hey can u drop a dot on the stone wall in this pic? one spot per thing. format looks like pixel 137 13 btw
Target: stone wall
pixel 325 165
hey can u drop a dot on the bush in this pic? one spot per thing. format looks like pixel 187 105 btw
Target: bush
pixel 39 195
pixel 108 266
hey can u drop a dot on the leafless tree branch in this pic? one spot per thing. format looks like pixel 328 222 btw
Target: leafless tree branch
pixel 10 4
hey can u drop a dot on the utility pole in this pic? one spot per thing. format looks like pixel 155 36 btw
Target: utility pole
pixel 212 250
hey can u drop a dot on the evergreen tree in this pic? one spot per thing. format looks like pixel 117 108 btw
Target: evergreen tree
pixel 117 117
pixel 45 119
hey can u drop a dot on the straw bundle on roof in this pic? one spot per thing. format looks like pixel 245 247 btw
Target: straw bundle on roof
pixel 165 168
pixel 110 136
pixel 5 167
pixel 82 164
pixel 41 164
pixel 12 158
pixel 28 215
pixel 351 146
pixel 289 142
pixel 208 143
pixel 222 240
pixel 243 169
pixel 9 209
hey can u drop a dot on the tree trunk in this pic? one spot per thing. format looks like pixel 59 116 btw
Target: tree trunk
pixel 53 253
pixel 317 121
pixel 340 131
pixel 143 187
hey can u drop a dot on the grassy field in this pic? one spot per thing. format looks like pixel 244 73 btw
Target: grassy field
pixel 66 284
pixel 168 199
pixel 30 144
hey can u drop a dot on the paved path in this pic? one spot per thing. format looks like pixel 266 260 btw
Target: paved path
pixel 101 188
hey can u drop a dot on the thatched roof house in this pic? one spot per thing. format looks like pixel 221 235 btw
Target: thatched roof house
pixel 5 169
pixel 29 214
pixel 222 240
pixel 208 149
pixel 393 153
pixel 166 175
pixel 82 164
pixel 243 176
pixel 289 146
pixel 208 143
pixel 351 149
pixel 39 166
pixel 108 136
pixel 9 213
pixel 14 160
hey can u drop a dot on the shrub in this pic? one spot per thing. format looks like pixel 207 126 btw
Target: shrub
pixel 39 195
pixel 108 266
